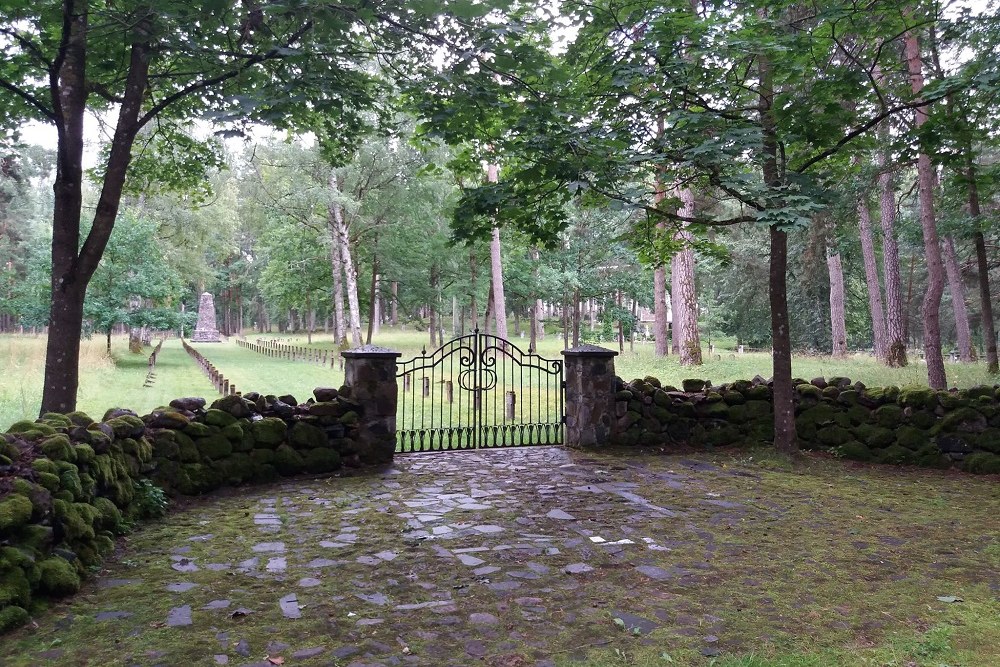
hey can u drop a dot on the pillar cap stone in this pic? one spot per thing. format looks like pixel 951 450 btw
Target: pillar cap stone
pixel 589 351
pixel 370 352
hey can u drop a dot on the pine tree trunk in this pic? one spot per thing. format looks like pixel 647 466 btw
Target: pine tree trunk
pixel 337 269
pixel 576 317
pixel 473 308
pixel 373 299
pixel 838 322
pixel 931 306
pixel 962 334
pixel 989 333
pixel 676 321
pixel 394 317
pixel 872 278
pixel 895 319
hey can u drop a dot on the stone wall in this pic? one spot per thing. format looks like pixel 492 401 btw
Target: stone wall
pixel 69 484
pixel 908 425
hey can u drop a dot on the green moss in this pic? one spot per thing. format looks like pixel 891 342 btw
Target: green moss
pixel 214 447
pixel 888 416
pixel 215 417
pixel 70 480
pixel 198 430
pixel 874 436
pixel 982 463
pixel 716 410
pixel 950 401
pixel 262 456
pixel 110 517
pixel 963 419
pixel 233 433
pixel 198 478
pixel 733 398
pixel 917 397
pixel 922 419
pixel 236 469
pixel 809 391
pixel 831 436
pixel 623 395
pixel 58 448
pixel 165 446
pixel 755 408
pixel 188 450
pixel 980 391
pixel 832 393
pixel 930 456
pixel 84 453
pixel 32 429
pixel 349 417
pixel 692 385
pixel 760 392
pixel 854 450
pixel 80 419
pixel 307 436
pixel 58 578
pixel 15 511
pixel 818 415
pixel 288 461
pixel 911 437
pixel 321 460
pixel 14 588
pixel 269 432
pixel 989 440
pixel 848 397
pixel 888 394
pixel 126 426
pixel 896 455
pixel 12 617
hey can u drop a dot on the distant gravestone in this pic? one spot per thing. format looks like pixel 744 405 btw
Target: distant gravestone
pixel 205 331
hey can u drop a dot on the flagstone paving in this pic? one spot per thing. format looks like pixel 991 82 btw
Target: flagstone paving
pixel 539 556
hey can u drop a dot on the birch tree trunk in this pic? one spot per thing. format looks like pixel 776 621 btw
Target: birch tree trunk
pixel 687 294
pixel 496 267
pixel 871 277
pixel 962 334
pixel 343 242
pixel 394 318
pixel 931 307
pixel 838 322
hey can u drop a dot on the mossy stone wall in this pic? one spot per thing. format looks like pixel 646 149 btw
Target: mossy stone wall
pixel 68 483
pixel 908 425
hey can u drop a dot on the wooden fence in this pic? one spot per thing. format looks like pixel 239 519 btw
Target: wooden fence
pixel 218 380
pixel 151 362
pixel 270 348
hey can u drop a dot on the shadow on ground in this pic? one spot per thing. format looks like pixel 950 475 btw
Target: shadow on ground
pixel 544 556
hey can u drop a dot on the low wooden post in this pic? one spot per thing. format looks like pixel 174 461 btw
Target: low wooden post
pixel 510 402
pixel 427 386
pixel 449 389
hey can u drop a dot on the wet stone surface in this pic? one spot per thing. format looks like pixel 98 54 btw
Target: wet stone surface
pixel 512 557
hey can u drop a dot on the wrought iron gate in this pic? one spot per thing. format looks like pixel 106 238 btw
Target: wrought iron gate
pixel 479 391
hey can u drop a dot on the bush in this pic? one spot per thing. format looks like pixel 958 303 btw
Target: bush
pixel 149 501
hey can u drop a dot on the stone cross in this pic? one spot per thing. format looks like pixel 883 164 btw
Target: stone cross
pixel 205 331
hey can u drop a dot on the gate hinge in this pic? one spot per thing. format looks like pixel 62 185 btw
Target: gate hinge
pixel 563 420
pixel 562 384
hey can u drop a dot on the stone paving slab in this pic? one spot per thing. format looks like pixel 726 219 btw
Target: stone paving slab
pixel 512 557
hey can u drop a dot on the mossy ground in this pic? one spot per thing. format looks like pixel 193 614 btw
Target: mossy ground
pixel 731 560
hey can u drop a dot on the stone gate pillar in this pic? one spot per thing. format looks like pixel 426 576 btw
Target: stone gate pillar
pixel 590 396
pixel 370 372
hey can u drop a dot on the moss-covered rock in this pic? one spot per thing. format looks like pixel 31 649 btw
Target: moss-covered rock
pixel 964 419
pixel 307 436
pixel 220 418
pixel 922 419
pixel 888 394
pixel 854 450
pixel 14 588
pixel 12 617
pixel 171 419
pixel 982 463
pixel 321 460
pixel 30 428
pixel 69 480
pixel 888 416
pixel 832 435
pixel 110 517
pixel 733 398
pixel 809 391
pixel 236 406
pixel 127 426
pixel 692 385
pixel 214 447
pixel 165 446
pixel 981 391
pixel 233 433
pixel 874 436
pixel 196 478
pixel 917 397
pixel 187 451
pixel 896 455
pixel 58 448
pixel 269 432
pixel 15 511
pixel 288 461
pixel 58 577
pixel 262 456
pixel 756 408
pixel 912 437
pixel 199 430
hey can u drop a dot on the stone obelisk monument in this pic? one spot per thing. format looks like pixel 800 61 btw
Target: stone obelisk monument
pixel 205 331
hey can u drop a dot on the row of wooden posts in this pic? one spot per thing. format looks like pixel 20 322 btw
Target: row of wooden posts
pixel 218 380
pixel 270 348
pixel 151 362
pixel 509 403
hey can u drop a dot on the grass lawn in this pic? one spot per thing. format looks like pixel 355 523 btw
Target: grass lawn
pixel 732 559
pixel 118 381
